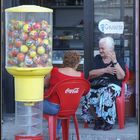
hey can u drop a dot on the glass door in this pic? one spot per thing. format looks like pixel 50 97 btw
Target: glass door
pixel 113 18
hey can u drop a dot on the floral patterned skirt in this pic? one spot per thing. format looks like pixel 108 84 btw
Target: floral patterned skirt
pixel 104 102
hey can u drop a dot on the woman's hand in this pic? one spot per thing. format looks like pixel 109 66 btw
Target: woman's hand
pixel 110 70
pixel 112 56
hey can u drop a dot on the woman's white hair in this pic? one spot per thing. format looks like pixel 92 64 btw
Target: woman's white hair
pixel 109 42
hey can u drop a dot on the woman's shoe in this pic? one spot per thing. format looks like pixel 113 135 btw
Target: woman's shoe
pixel 96 127
pixel 107 126
pixel 98 124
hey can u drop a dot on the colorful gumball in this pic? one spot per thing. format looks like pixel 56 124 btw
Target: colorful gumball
pixel 48 63
pixel 10 62
pixel 36 26
pixel 32 54
pixel 24 36
pixel 20 57
pixel 23 48
pixel 48 48
pixel 14 52
pixel 15 61
pixel 40 50
pixel 10 55
pixel 38 61
pixel 38 42
pixel 10 46
pixel 13 21
pixel 43 34
pixel 30 42
pixel 44 24
pixel 35 59
pixel 33 34
pixel 44 58
pixel 28 61
pixel 33 47
pixel 27 28
pixel 15 34
pixel 18 42
pixel 45 42
pixel 21 64
pixel 18 25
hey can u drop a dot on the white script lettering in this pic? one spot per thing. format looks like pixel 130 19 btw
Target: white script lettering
pixel 72 91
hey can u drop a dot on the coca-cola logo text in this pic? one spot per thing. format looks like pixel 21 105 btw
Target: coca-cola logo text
pixel 72 91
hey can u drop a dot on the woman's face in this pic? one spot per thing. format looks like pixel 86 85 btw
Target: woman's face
pixel 103 49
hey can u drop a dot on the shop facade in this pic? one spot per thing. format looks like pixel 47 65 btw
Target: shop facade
pixel 78 25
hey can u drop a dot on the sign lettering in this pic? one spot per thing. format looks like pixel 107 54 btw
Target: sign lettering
pixel 72 91
pixel 108 27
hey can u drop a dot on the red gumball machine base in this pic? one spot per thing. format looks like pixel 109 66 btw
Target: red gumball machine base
pixel 29 137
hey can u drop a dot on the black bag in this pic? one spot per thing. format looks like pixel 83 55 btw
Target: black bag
pixel 99 82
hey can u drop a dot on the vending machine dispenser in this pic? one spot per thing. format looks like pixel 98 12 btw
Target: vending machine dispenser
pixel 28 59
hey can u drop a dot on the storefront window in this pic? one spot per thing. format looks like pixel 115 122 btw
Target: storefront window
pixel 117 12
pixel 115 18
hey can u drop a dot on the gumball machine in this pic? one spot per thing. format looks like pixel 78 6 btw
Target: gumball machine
pixel 28 59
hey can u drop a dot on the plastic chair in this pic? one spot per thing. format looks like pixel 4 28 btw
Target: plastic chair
pixel 120 103
pixel 69 92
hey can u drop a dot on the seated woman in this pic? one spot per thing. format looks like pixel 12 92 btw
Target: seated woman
pixel 71 61
pixel 101 99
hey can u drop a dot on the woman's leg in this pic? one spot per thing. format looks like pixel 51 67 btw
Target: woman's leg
pixel 108 103
pixel 52 109
pixel 103 100
pixel 94 103
pixel 58 127
pixel 85 111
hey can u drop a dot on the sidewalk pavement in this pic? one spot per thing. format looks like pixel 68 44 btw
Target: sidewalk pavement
pixel 130 132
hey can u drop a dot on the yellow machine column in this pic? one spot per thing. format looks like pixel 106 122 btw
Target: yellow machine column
pixel 28 59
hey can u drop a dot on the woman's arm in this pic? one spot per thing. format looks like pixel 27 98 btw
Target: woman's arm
pixel 96 72
pixel 119 71
pixel 46 82
pixel 99 72
pixel 117 67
